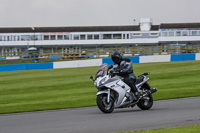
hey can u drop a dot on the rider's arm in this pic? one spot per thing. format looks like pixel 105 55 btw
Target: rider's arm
pixel 114 70
pixel 127 68
pixel 110 67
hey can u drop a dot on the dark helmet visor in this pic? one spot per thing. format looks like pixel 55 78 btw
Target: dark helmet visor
pixel 116 59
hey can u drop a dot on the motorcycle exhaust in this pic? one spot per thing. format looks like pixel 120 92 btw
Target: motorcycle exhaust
pixel 153 90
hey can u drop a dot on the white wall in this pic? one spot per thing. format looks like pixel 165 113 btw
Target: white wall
pixel 155 58
pixel 98 62
pixel 77 63
pixel 197 56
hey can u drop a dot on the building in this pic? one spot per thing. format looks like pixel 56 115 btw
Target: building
pixel 73 39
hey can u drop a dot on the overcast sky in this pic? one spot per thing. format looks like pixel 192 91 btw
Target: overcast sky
pixel 39 13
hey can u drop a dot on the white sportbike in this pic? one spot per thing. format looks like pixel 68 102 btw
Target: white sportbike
pixel 114 93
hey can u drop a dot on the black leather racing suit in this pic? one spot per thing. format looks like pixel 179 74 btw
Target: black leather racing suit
pixel 125 69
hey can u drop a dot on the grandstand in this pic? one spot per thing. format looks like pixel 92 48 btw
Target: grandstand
pixel 74 39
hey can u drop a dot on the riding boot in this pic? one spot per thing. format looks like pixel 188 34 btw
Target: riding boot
pixel 133 88
pixel 130 83
pixel 131 97
pixel 135 92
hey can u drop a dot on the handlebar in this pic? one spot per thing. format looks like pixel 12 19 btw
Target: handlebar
pixel 147 73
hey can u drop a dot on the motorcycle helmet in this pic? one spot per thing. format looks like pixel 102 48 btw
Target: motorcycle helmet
pixel 116 57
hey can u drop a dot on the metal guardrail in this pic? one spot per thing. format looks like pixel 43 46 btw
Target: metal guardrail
pixel 6 57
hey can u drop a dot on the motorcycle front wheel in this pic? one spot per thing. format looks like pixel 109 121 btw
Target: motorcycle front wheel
pixel 103 105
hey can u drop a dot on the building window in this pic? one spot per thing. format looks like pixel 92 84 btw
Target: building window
pixel 1 38
pixel 153 34
pixel 25 37
pixel 164 33
pixel 38 37
pixel 137 34
pixel 89 37
pixel 33 37
pixel 127 36
pixel 124 36
pixel 16 38
pixel 107 36
pixel 178 33
pixel 76 37
pixel 66 37
pixel 46 37
pixel 53 37
pixel 185 33
pixel 4 38
pixel 96 36
pixel 82 37
pixel 171 33
pixel 8 38
pixel 117 36
pixel 194 33
pixel 59 37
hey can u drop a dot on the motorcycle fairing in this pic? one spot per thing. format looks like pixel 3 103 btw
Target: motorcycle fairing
pixel 121 88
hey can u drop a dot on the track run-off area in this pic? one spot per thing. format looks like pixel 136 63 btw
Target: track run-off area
pixel 56 90
pixel 164 113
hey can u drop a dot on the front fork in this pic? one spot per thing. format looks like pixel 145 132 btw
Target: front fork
pixel 105 92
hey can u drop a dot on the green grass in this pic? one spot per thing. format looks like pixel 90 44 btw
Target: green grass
pixel 183 129
pixel 66 88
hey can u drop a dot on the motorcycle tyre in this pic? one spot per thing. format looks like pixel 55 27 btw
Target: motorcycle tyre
pixel 144 107
pixel 100 104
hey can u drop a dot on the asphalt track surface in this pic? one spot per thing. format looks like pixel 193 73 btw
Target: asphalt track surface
pixel 164 113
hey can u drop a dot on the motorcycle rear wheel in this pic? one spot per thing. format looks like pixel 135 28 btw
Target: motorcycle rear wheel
pixel 103 105
pixel 144 104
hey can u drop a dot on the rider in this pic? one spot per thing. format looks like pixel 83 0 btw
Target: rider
pixel 123 67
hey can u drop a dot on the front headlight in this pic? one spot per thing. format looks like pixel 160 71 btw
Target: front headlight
pixel 102 81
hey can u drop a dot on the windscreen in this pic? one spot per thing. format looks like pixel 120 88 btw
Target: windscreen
pixel 102 71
